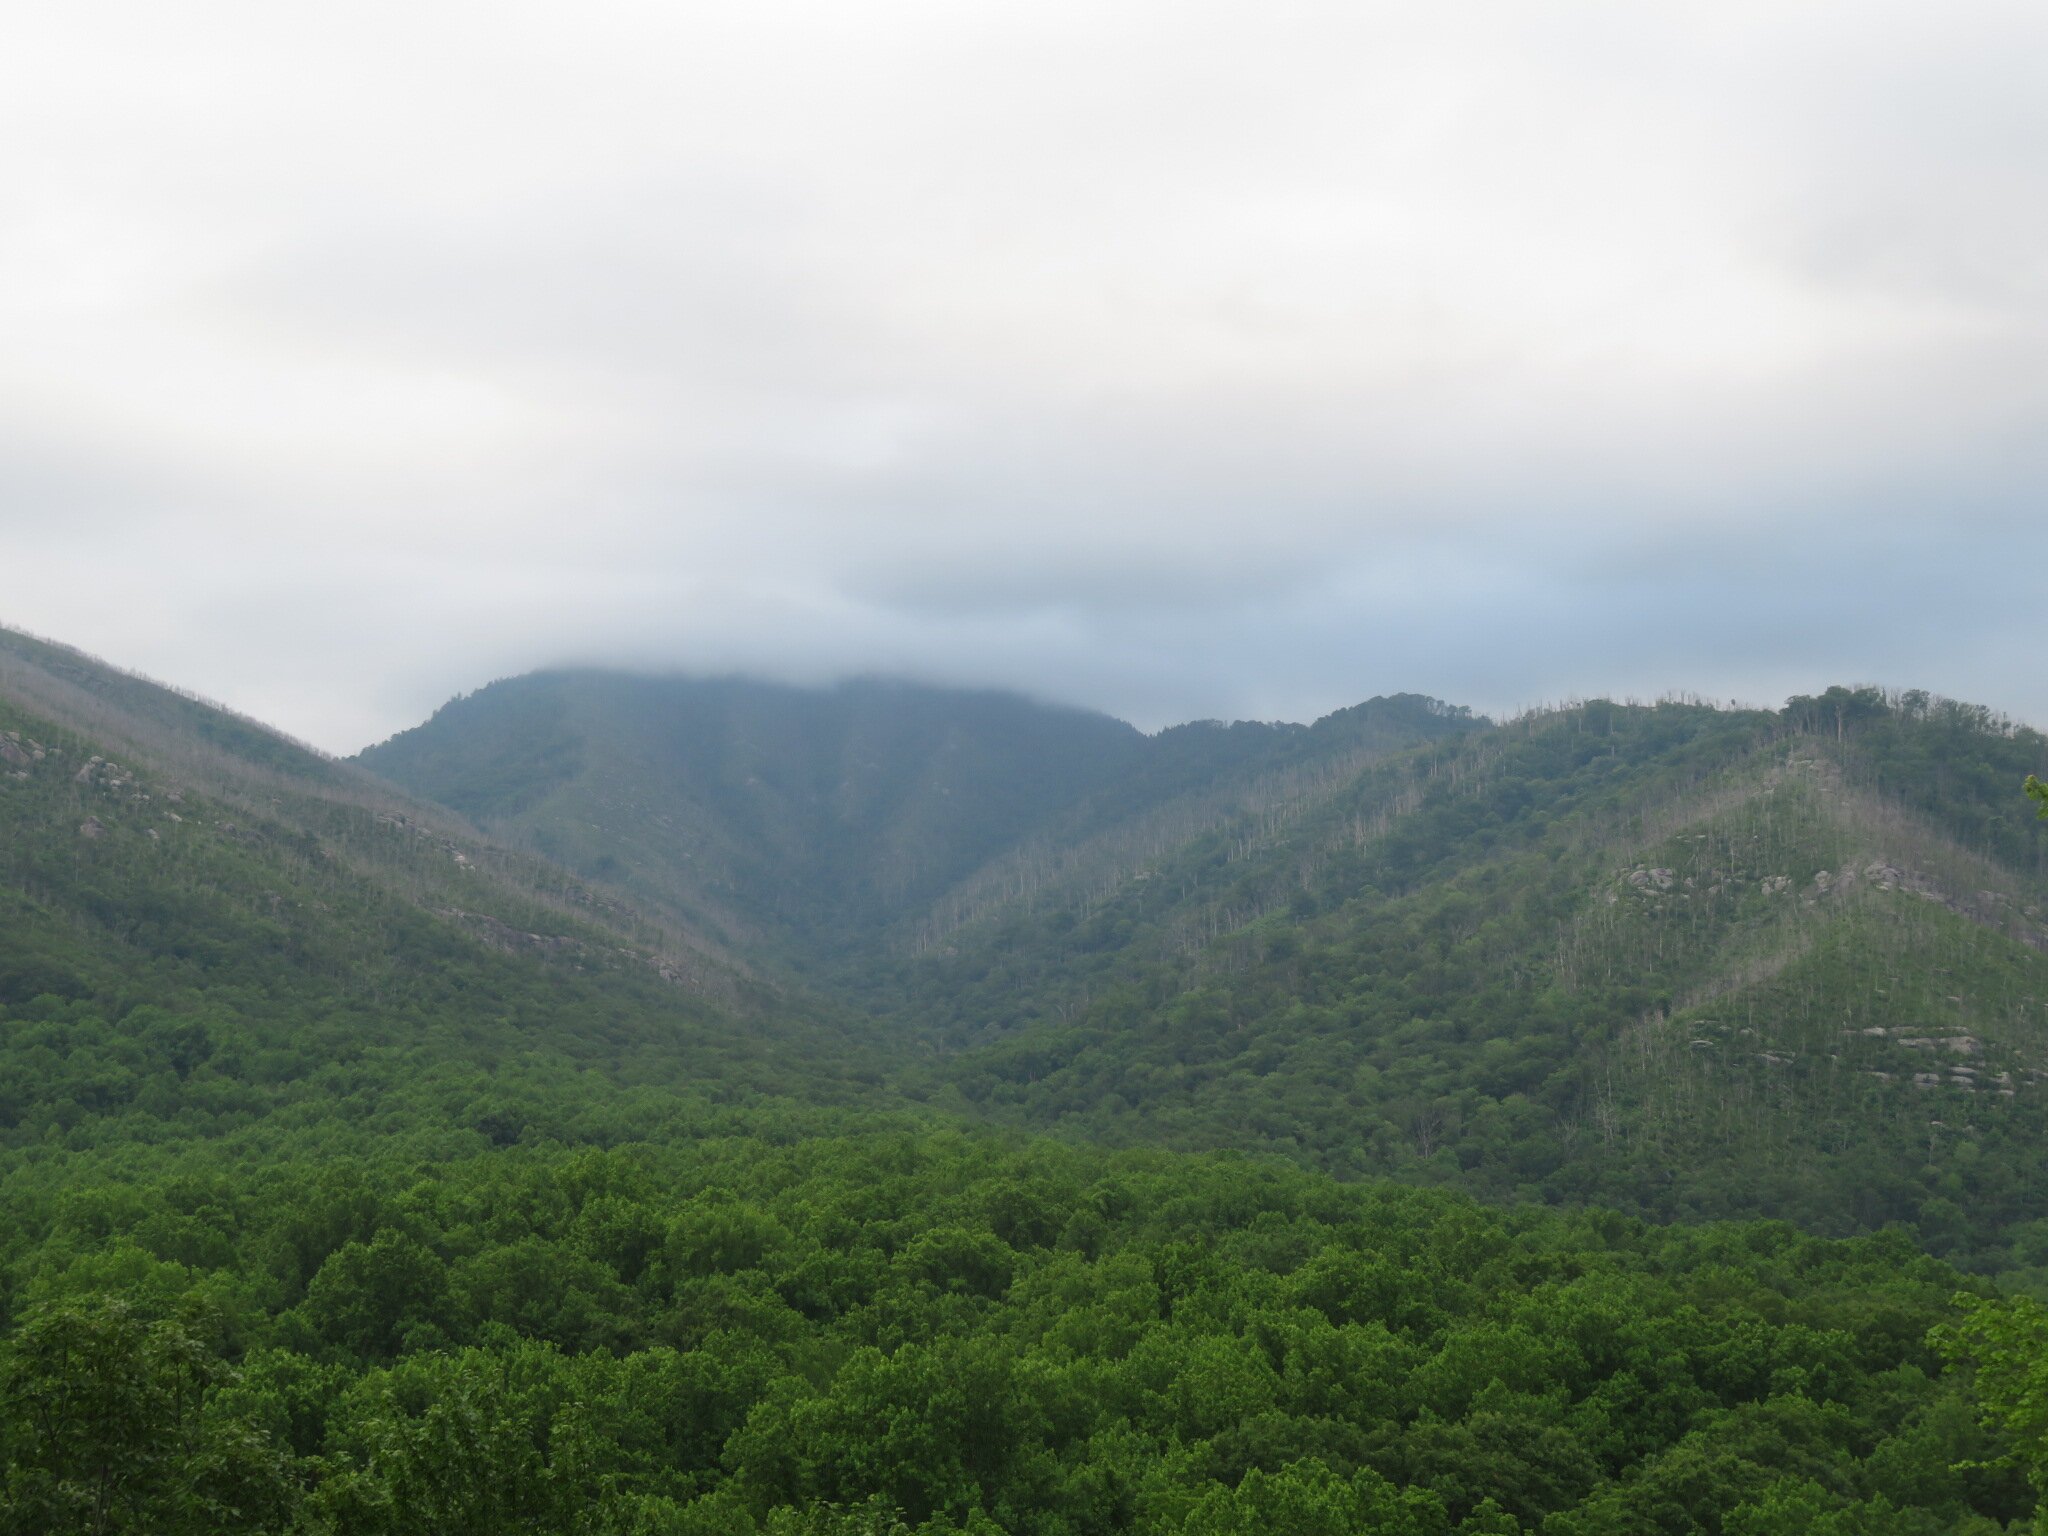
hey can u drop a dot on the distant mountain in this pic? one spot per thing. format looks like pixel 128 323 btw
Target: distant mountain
pixel 807 822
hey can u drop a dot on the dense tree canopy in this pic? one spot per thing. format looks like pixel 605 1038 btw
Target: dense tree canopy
pixel 901 1329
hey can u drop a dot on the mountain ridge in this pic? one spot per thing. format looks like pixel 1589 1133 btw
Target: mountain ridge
pixel 360 1169
pixel 1407 940
pixel 780 809
pixel 1401 940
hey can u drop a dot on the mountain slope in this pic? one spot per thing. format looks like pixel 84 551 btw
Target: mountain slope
pixel 1681 959
pixel 359 1175
pixel 1687 961
pixel 809 823
pixel 769 810
pixel 189 900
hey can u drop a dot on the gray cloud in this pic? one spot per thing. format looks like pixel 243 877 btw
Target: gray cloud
pixel 1183 360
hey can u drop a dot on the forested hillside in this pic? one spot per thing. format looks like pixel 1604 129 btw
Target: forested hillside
pixel 1681 960
pixel 814 825
pixel 363 1172
pixel 1685 960
pixel 761 809
pixel 201 914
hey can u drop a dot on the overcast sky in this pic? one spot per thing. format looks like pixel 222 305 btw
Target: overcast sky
pixel 1180 357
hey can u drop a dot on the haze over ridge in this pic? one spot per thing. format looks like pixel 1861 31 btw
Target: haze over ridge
pixel 1225 364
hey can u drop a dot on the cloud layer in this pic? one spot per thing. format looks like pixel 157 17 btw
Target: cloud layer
pixel 1181 359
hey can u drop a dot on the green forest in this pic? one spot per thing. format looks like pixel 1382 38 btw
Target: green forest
pixel 640 1106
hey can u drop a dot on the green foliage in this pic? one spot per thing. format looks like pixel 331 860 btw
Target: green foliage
pixel 2005 1343
pixel 179 963
pixel 834 1336
pixel 1652 957
pixel 1686 961
pixel 112 1425
pixel 359 1175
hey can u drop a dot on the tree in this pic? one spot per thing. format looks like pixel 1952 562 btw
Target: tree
pixel 372 1298
pixel 107 1430
pixel 2007 1343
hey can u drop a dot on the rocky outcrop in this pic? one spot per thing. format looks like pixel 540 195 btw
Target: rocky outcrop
pixel 446 844
pixel 106 774
pixel 1961 1045
pixel 502 935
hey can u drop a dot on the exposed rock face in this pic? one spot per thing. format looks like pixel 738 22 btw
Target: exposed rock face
pixel 1962 1045
pixel 13 755
pixel 90 827
pixel 502 935
pixel 446 845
